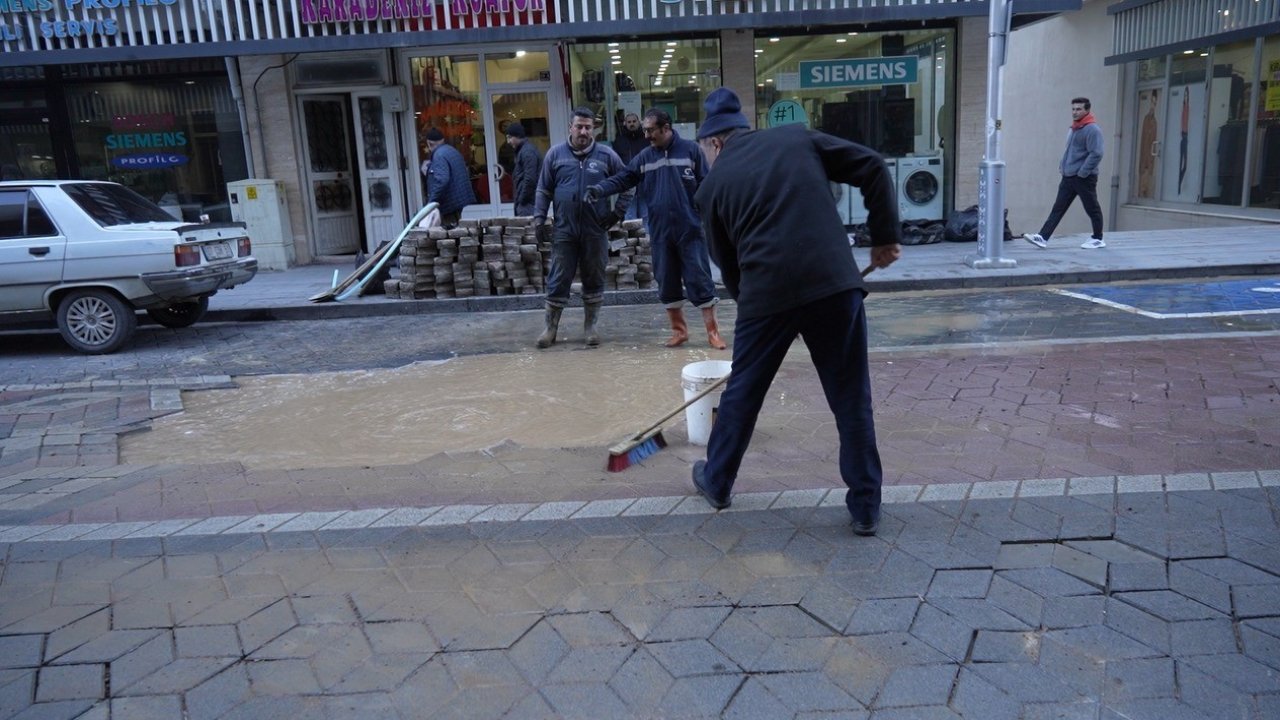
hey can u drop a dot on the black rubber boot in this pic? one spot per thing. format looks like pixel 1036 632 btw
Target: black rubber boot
pixel 548 336
pixel 589 324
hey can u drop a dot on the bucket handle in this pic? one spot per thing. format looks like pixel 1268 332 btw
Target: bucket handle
pixel 705 392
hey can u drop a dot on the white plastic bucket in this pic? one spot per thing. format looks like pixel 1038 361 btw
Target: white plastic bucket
pixel 694 378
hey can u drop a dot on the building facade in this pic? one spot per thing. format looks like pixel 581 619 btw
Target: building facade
pixel 1187 93
pixel 332 98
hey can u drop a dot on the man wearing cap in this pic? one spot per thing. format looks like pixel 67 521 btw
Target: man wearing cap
pixel 580 239
pixel 666 175
pixel 774 230
pixel 450 181
pixel 525 175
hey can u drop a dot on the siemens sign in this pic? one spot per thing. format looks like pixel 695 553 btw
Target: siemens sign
pixel 858 72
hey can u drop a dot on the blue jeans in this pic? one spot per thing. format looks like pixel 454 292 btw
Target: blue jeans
pixel 835 330
pixel 587 256
pixel 683 259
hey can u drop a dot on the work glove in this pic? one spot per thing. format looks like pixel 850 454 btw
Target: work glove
pixel 543 232
pixel 609 219
pixel 592 194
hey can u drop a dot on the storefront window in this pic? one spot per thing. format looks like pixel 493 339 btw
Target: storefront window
pixel 446 95
pixel 618 78
pixel 1265 178
pixel 26 145
pixel 1183 128
pixel 888 91
pixel 177 142
pixel 1228 123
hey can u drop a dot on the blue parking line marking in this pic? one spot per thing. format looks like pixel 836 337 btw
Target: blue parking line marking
pixel 1255 296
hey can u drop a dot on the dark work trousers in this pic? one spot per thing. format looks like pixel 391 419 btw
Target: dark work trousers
pixel 835 330
pixel 683 259
pixel 1071 187
pixel 586 255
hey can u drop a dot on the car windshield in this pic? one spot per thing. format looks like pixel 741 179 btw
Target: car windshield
pixel 115 204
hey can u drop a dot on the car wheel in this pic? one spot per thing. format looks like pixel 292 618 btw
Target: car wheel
pixel 181 315
pixel 95 321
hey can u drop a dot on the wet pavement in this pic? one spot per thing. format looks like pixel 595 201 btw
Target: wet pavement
pixel 1080 521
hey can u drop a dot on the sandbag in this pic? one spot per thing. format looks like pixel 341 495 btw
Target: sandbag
pixel 962 225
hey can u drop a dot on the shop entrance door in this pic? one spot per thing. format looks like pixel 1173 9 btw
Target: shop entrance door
pixel 508 105
pixel 380 193
pixel 330 187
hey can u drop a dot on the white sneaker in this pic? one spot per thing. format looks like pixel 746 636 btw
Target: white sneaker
pixel 1035 239
pixel 1093 244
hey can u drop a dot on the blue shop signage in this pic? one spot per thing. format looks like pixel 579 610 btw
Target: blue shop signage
pixel 71 26
pixel 859 72
pixel 150 161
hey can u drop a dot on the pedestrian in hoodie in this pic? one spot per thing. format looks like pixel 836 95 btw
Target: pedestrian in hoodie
pixel 1079 168
pixel 629 142
pixel 666 175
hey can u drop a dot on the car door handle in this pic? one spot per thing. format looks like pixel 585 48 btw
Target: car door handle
pixel 38 251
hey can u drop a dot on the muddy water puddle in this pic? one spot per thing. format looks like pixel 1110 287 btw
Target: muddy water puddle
pixel 570 398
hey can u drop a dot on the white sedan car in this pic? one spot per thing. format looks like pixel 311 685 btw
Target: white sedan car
pixel 93 253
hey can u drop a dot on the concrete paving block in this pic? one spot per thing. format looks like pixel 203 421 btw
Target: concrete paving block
pixel 701 696
pixel 943 492
pixel 115 531
pixel 801 498
pixel 688 623
pixel 994 489
pixel 154 707
pixel 211 526
pixel 943 632
pixel 880 616
pixel 602 508
pixel 1269 478
pixel 207 641
pixel 454 514
pixel 68 532
pixel 1168 605
pixel 694 505
pixel 308 521
pixel 687 658
pixel 1005 646
pixel 1202 637
pixel 163 528
pixel 1252 601
pixel 755 702
pixel 917 685
pixel 653 506
pixel 900 493
pixel 260 523
pixel 356 519
pixel 808 692
pixel 1139 483
pixel 960 583
pixel 24 532
pixel 1070 612
pixel 141 662
pixel 1042 487
pixel 1024 555
pixel 405 517
pixel 1187 482
pixel 742 502
pixel 70 682
pixel 20 651
pixel 505 512
pixel 1234 480
pixel 553 511
pixel 1103 485
pixel 1236 671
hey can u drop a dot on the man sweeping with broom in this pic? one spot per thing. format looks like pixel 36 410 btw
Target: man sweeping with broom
pixel 773 229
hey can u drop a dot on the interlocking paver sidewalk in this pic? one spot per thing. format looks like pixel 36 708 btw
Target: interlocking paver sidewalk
pixel 954 609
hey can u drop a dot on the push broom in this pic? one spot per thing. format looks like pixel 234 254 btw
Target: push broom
pixel 649 441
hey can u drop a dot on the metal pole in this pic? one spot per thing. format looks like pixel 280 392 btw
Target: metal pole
pixel 991 188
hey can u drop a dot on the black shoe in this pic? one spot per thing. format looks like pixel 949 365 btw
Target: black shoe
pixel 865 529
pixel 699 484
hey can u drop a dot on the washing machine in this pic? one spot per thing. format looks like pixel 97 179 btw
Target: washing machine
pixel 849 198
pixel 920 187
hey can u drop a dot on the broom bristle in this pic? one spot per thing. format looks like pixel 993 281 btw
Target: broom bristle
pixel 621 460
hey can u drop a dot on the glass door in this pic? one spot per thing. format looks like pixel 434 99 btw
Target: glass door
pixel 379 182
pixel 330 188
pixel 529 108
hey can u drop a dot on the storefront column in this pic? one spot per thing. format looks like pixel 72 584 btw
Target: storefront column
pixel 270 108
pixel 971 119
pixel 738 66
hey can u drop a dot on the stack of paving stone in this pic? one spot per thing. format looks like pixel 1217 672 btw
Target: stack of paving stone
pixel 502 256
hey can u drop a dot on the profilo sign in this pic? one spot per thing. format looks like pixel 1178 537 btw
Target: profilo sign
pixel 859 72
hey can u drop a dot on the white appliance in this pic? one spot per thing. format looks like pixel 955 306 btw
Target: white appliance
pixel 920 187
pixel 849 198
pixel 261 206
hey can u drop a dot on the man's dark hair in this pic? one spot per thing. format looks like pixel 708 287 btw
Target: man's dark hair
pixel 1083 101
pixel 584 112
pixel 659 117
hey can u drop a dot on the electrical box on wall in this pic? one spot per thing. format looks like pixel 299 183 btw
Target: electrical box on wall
pixel 394 99
pixel 261 206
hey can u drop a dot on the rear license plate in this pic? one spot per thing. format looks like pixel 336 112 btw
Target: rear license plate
pixel 217 251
